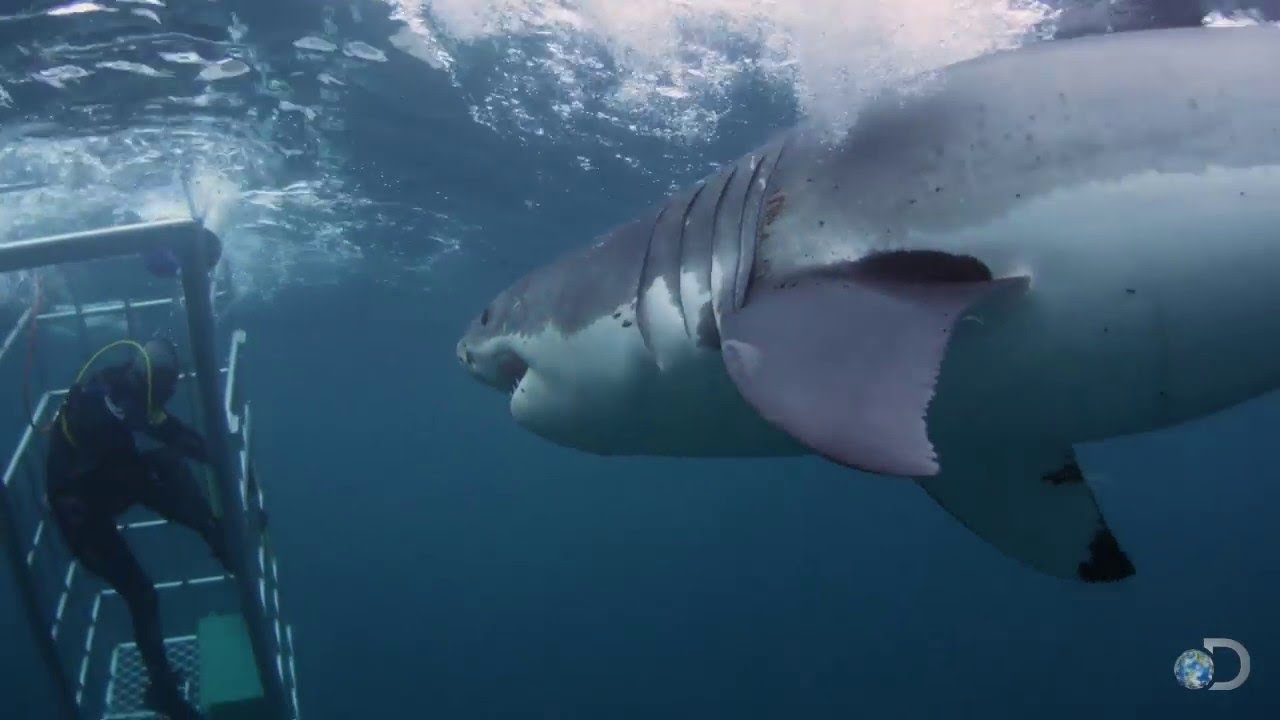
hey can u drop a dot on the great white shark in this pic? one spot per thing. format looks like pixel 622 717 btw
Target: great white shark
pixel 1057 244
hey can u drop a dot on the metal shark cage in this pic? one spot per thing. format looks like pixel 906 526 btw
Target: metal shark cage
pixel 224 633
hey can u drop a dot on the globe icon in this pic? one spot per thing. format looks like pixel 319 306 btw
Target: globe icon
pixel 1193 669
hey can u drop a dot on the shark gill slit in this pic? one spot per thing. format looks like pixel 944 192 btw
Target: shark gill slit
pixel 641 287
pixel 715 227
pixel 745 253
pixel 684 223
pixel 750 231
pixel 696 254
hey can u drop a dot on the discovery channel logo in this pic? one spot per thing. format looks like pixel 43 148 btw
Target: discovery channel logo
pixel 1194 668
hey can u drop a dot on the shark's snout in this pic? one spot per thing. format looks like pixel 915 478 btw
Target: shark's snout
pixel 464 355
pixel 501 368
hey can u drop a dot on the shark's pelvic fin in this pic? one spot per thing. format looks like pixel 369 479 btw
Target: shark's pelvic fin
pixel 1034 504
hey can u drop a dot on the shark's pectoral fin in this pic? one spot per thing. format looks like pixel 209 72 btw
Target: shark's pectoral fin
pixel 1035 506
pixel 845 359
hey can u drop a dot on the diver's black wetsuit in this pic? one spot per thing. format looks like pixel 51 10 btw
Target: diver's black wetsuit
pixel 95 472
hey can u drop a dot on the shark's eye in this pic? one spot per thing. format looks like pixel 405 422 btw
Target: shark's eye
pixel 484 317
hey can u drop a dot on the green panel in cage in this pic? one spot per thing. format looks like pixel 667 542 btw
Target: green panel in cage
pixel 229 684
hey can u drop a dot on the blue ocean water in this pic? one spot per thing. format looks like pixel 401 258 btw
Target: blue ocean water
pixel 438 561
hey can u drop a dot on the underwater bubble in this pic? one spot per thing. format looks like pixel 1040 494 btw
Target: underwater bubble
pixel 58 76
pixel 1237 18
pixel 79 8
pixel 184 58
pixel 364 51
pixel 424 47
pixel 133 67
pixel 287 106
pixel 223 69
pixel 311 42
pixel 670 67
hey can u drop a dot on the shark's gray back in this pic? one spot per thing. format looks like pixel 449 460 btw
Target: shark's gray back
pixel 981 137
pixel 987 135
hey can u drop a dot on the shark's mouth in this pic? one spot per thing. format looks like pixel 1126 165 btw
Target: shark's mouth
pixel 511 369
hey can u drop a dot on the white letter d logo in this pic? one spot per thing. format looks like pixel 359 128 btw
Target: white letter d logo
pixel 1212 644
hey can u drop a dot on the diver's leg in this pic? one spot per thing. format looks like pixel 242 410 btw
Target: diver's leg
pixel 172 491
pixel 96 543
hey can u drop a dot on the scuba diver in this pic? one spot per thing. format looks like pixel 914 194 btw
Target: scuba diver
pixel 95 472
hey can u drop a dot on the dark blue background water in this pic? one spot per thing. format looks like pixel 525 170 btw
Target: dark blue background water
pixel 439 562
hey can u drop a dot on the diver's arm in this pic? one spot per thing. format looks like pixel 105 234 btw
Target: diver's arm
pixel 173 432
